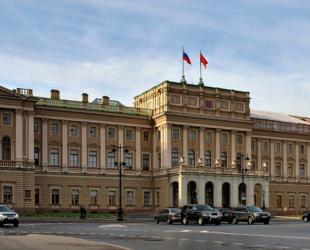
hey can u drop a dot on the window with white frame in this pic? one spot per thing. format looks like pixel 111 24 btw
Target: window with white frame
pixel 73 158
pixel 55 196
pixel 129 197
pixel 128 160
pixel 74 197
pixel 128 134
pixel 239 139
pixel 54 128
pixel 208 159
pixel 265 146
pixel 6 119
pixel 146 162
pixel 36 127
pixel 175 134
pixel 111 134
pixel 7 194
pixel 192 135
pixel 111 160
pixel 191 158
pixel 291 200
pixel 175 157
pixel 302 170
pixel 147 198
pixel 208 137
pixel 303 201
pixel 112 198
pixel 92 132
pixel 73 130
pixel 224 138
pixel 93 159
pixel 277 147
pixel 54 156
pixel 146 136
pixel 290 148
pixel 94 197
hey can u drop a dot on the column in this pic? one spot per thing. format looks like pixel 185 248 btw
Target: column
pixel 84 147
pixel 234 191
pixel 218 144
pixel 19 136
pixel 233 145
pixel 64 145
pixel 284 160
pixel 168 143
pixel 272 174
pixel 138 151
pixel 155 158
pixel 185 143
pixel 120 135
pixel 297 160
pixel 31 138
pixel 308 162
pixel 44 144
pixel 182 190
pixel 218 192
pixel 266 188
pixel 102 148
pixel 202 143
pixel 259 153
pixel 249 190
pixel 201 190
pixel 248 144
pixel 162 146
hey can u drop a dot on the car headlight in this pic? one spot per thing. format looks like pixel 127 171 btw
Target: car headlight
pixel 256 215
pixel 204 214
pixel 1 215
pixel 16 215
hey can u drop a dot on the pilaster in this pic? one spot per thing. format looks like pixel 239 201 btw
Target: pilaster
pixel 138 151
pixel 84 147
pixel 297 160
pixel 233 145
pixel 44 144
pixel 284 148
pixel 31 138
pixel 168 143
pixel 202 142
pixel 259 153
pixel 19 136
pixel 308 162
pixel 102 148
pixel 64 145
pixel 185 143
pixel 218 144
pixel 272 159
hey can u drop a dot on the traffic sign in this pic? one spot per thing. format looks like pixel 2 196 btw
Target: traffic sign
pixel 243 198
pixel 243 194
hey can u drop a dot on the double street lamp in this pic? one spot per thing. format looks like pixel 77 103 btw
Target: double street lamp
pixel 120 164
pixel 243 171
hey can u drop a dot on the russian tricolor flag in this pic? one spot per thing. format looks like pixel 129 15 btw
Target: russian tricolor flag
pixel 186 58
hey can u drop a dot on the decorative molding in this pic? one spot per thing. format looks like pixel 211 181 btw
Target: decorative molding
pixel 19 111
pixel 93 145
pixel 103 125
pixel 278 158
pixel 303 160
pixel 84 124
pixel 291 159
pixel 265 157
pixel 64 121
pixel 54 143
pixel 36 142
pixel 44 120
pixel 239 106
pixel 147 149
pixel 176 99
pixel 31 113
pixel 138 128
pixel 224 105
pixel 192 101
pixel 74 144
pixel 253 157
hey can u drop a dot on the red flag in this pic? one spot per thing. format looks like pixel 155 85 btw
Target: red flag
pixel 203 61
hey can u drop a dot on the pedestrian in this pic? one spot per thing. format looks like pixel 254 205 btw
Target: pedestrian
pixel 84 213
pixel 81 211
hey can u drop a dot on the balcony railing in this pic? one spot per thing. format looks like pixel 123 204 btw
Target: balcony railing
pixel 93 106
pixel 7 163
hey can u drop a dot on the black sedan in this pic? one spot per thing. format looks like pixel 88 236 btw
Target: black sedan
pixel 226 214
pixel 306 217
pixel 169 215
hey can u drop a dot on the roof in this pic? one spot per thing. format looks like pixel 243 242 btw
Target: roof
pixel 274 116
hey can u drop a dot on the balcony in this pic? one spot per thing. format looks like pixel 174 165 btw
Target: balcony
pixel 7 163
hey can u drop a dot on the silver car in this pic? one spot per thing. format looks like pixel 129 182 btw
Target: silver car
pixel 8 216
pixel 169 215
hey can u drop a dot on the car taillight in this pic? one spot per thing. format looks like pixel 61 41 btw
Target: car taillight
pixel 174 215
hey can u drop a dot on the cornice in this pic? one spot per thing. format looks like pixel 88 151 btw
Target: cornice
pixel 278 132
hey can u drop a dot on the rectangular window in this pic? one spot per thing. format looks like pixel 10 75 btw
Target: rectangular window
pixel 192 135
pixel 175 133
pixel 147 198
pixel 36 127
pixel 129 161
pixel 55 196
pixel 290 148
pixel 37 196
pixel 111 133
pixel 265 146
pixel 74 130
pixel 302 149
pixel 7 195
pixel 36 156
pixel 129 197
pixel 54 157
pixel 279 200
pixel 93 159
pixel 277 147
pixel 239 139
pixel 54 128
pixel 128 134
pixel 92 132
pixel 291 201
pixel 157 198
pixel 302 171
pixel 74 197
pixel 111 160
pixel 303 201
pixel 159 161
pixel 290 170
pixel 112 198
pixel 146 136
pixel 146 162
pixel 94 197
pixel 6 119
pixel 159 135
pixel 73 158
pixel 278 169
pixel 209 137
pixel 224 138
pixel 28 194
pixel 252 145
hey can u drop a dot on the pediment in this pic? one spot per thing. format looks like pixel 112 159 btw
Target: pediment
pixel 291 159
pixel 130 148
pixel 266 157
pixel 74 144
pixel 254 157
pixel 93 145
pixel 7 93
pixel 147 149
pixel 278 158
pixel 111 146
pixel 54 143
pixel 36 142
pixel 303 160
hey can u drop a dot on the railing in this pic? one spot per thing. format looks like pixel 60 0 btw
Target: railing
pixel 7 163
pixel 26 92
pixel 281 126
pixel 93 106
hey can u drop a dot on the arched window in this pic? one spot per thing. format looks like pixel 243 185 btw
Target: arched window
pixel 224 160
pixel 191 158
pixel 208 159
pixel 175 158
pixel 6 149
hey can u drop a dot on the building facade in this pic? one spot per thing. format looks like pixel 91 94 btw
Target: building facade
pixel 184 144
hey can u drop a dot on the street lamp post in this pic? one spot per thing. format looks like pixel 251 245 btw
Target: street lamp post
pixel 120 164
pixel 264 200
pixel 243 171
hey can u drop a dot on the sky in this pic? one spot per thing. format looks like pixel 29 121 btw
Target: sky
pixel 121 48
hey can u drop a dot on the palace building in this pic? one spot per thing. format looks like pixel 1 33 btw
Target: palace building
pixel 181 143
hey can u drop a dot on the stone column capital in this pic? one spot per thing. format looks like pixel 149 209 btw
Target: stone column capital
pixel 121 126
pixel 185 126
pixel 202 128
pixel 233 132
pixel 64 122
pixel 297 142
pixel 138 129
pixel 19 111
pixel 249 133
pixel 84 124
pixel 102 125
pixel 44 120
pixel 31 113
pixel 218 130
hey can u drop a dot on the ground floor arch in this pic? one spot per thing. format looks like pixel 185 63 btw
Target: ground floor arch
pixel 242 189
pixel 209 193
pixel 192 193
pixel 258 195
pixel 226 195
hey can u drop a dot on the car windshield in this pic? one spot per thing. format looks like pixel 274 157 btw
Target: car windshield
pixel 175 210
pixel 254 209
pixel 5 209
pixel 204 207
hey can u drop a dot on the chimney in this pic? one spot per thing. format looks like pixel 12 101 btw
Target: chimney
pixel 105 100
pixel 55 94
pixel 84 97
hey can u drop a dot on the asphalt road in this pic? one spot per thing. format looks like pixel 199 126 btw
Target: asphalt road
pixel 148 235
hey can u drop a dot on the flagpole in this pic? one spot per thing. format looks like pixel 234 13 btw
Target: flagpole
pixel 183 77
pixel 200 62
pixel 200 83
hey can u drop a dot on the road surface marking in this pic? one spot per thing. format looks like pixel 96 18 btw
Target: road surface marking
pixel 281 247
pixel 204 231
pixel 142 236
pixel 121 235
pixel 48 232
pixel 259 245
pixel 218 242
pixel 239 244
pixel 184 231
pixel 184 239
pixel 169 238
pixel 201 240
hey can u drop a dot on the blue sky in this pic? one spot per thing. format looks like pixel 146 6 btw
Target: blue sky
pixel 121 48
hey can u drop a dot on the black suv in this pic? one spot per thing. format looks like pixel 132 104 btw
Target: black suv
pixel 201 214
pixel 250 214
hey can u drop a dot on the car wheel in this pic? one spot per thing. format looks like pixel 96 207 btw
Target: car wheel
pixel 156 220
pixel 185 221
pixel 250 221
pixel 218 222
pixel 266 222
pixel 15 224
pixel 169 221
pixel 305 219
pixel 200 221
pixel 235 221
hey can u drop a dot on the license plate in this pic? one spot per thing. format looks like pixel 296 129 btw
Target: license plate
pixel 226 214
pixel 264 216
